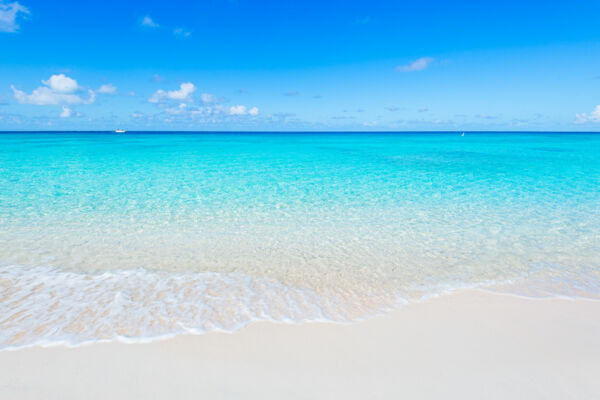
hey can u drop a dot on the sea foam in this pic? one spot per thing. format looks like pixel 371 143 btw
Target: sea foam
pixel 46 305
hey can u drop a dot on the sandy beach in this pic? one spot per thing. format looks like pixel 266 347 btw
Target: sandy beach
pixel 471 344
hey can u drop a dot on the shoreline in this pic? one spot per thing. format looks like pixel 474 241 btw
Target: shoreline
pixel 126 340
pixel 468 344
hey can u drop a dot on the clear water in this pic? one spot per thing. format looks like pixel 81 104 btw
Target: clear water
pixel 135 236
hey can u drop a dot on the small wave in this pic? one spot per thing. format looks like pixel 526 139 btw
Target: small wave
pixel 53 306
pixel 46 305
pixel 545 280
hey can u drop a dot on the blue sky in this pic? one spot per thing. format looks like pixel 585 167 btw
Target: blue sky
pixel 305 65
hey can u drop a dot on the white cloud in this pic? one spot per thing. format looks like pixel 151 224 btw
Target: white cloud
pixel 178 105
pixel 237 110
pixel 9 13
pixel 417 65
pixel 58 89
pixel 61 84
pixel 208 98
pixel 593 116
pixel 181 109
pixel 185 90
pixel 45 96
pixel 485 116
pixel 211 113
pixel 184 93
pixel 157 97
pixel 243 110
pixel 149 22
pixel 181 32
pixel 66 112
pixel 92 97
pixel 107 89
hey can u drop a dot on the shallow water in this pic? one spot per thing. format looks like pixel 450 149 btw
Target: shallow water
pixel 134 236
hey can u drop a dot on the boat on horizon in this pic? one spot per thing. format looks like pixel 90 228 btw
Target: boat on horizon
pixel 120 131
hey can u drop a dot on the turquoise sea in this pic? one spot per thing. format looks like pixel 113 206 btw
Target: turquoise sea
pixel 136 236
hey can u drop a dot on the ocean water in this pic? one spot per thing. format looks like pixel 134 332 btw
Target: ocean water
pixel 138 236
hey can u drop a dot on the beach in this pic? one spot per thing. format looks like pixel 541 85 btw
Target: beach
pixel 467 345
pixel 239 200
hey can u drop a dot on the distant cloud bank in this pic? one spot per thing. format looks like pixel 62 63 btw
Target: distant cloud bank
pixel 242 110
pixel 178 104
pixel 593 116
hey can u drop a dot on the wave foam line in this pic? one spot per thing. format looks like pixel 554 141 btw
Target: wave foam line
pixel 52 306
pixel 46 305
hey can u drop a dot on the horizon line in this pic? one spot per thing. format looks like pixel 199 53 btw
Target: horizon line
pixel 297 132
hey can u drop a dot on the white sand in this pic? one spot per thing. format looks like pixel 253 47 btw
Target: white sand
pixel 469 345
